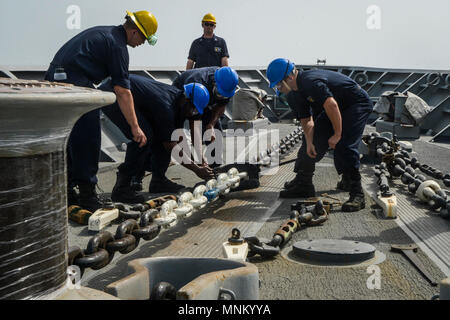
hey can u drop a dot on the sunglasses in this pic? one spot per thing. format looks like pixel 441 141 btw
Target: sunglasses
pixel 209 24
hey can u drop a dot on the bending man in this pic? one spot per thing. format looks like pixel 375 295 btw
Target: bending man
pixel 161 109
pixel 88 58
pixel 340 109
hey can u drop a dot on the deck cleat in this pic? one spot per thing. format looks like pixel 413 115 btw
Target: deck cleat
pixel 235 248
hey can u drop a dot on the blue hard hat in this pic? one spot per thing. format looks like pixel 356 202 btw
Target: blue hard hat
pixel 226 81
pixel 278 69
pixel 198 95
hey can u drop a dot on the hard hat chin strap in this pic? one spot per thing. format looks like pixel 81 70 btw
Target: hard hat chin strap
pixel 286 85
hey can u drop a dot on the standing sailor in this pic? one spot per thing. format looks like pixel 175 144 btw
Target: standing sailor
pixel 333 111
pixel 87 59
pixel 209 50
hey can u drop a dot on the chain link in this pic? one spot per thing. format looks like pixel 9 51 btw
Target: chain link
pixel 102 247
pixel 301 216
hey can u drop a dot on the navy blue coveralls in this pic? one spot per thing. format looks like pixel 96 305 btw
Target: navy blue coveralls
pixel 158 114
pixel 87 59
pixel 355 106
pixel 208 52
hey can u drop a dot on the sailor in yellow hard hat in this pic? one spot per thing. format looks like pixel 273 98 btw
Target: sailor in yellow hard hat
pixel 88 58
pixel 146 23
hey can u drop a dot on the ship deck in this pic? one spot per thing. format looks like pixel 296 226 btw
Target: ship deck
pixel 261 212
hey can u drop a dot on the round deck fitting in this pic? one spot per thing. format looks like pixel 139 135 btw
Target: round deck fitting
pixel 36 118
pixel 331 251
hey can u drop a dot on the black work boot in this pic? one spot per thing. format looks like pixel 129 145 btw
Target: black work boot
pixel 344 184
pixel 356 201
pixel 88 198
pixel 290 184
pixel 164 185
pixel 136 183
pixel 301 188
pixel 123 191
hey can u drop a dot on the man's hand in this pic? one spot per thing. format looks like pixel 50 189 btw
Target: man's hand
pixel 204 172
pixel 213 134
pixel 311 150
pixel 204 162
pixel 333 141
pixel 139 136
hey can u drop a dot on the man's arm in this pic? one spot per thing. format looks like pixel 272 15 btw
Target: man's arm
pixel 192 56
pixel 308 130
pixel 225 54
pixel 190 64
pixel 197 135
pixel 217 111
pixel 332 110
pixel 224 62
pixel 126 104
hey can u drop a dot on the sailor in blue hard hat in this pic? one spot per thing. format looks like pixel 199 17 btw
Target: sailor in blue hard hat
pixel 221 84
pixel 199 97
pixel 160 109
pixel 333 111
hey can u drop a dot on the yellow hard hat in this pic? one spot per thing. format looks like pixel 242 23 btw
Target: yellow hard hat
pixel 209 17
pixel 146 22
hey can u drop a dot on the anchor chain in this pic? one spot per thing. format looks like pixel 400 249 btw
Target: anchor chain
pixel 101 248
pixel 301 216
pixel 160 213
pixel 397 163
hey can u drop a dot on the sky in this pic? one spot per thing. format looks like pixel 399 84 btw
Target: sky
pixel 397 34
